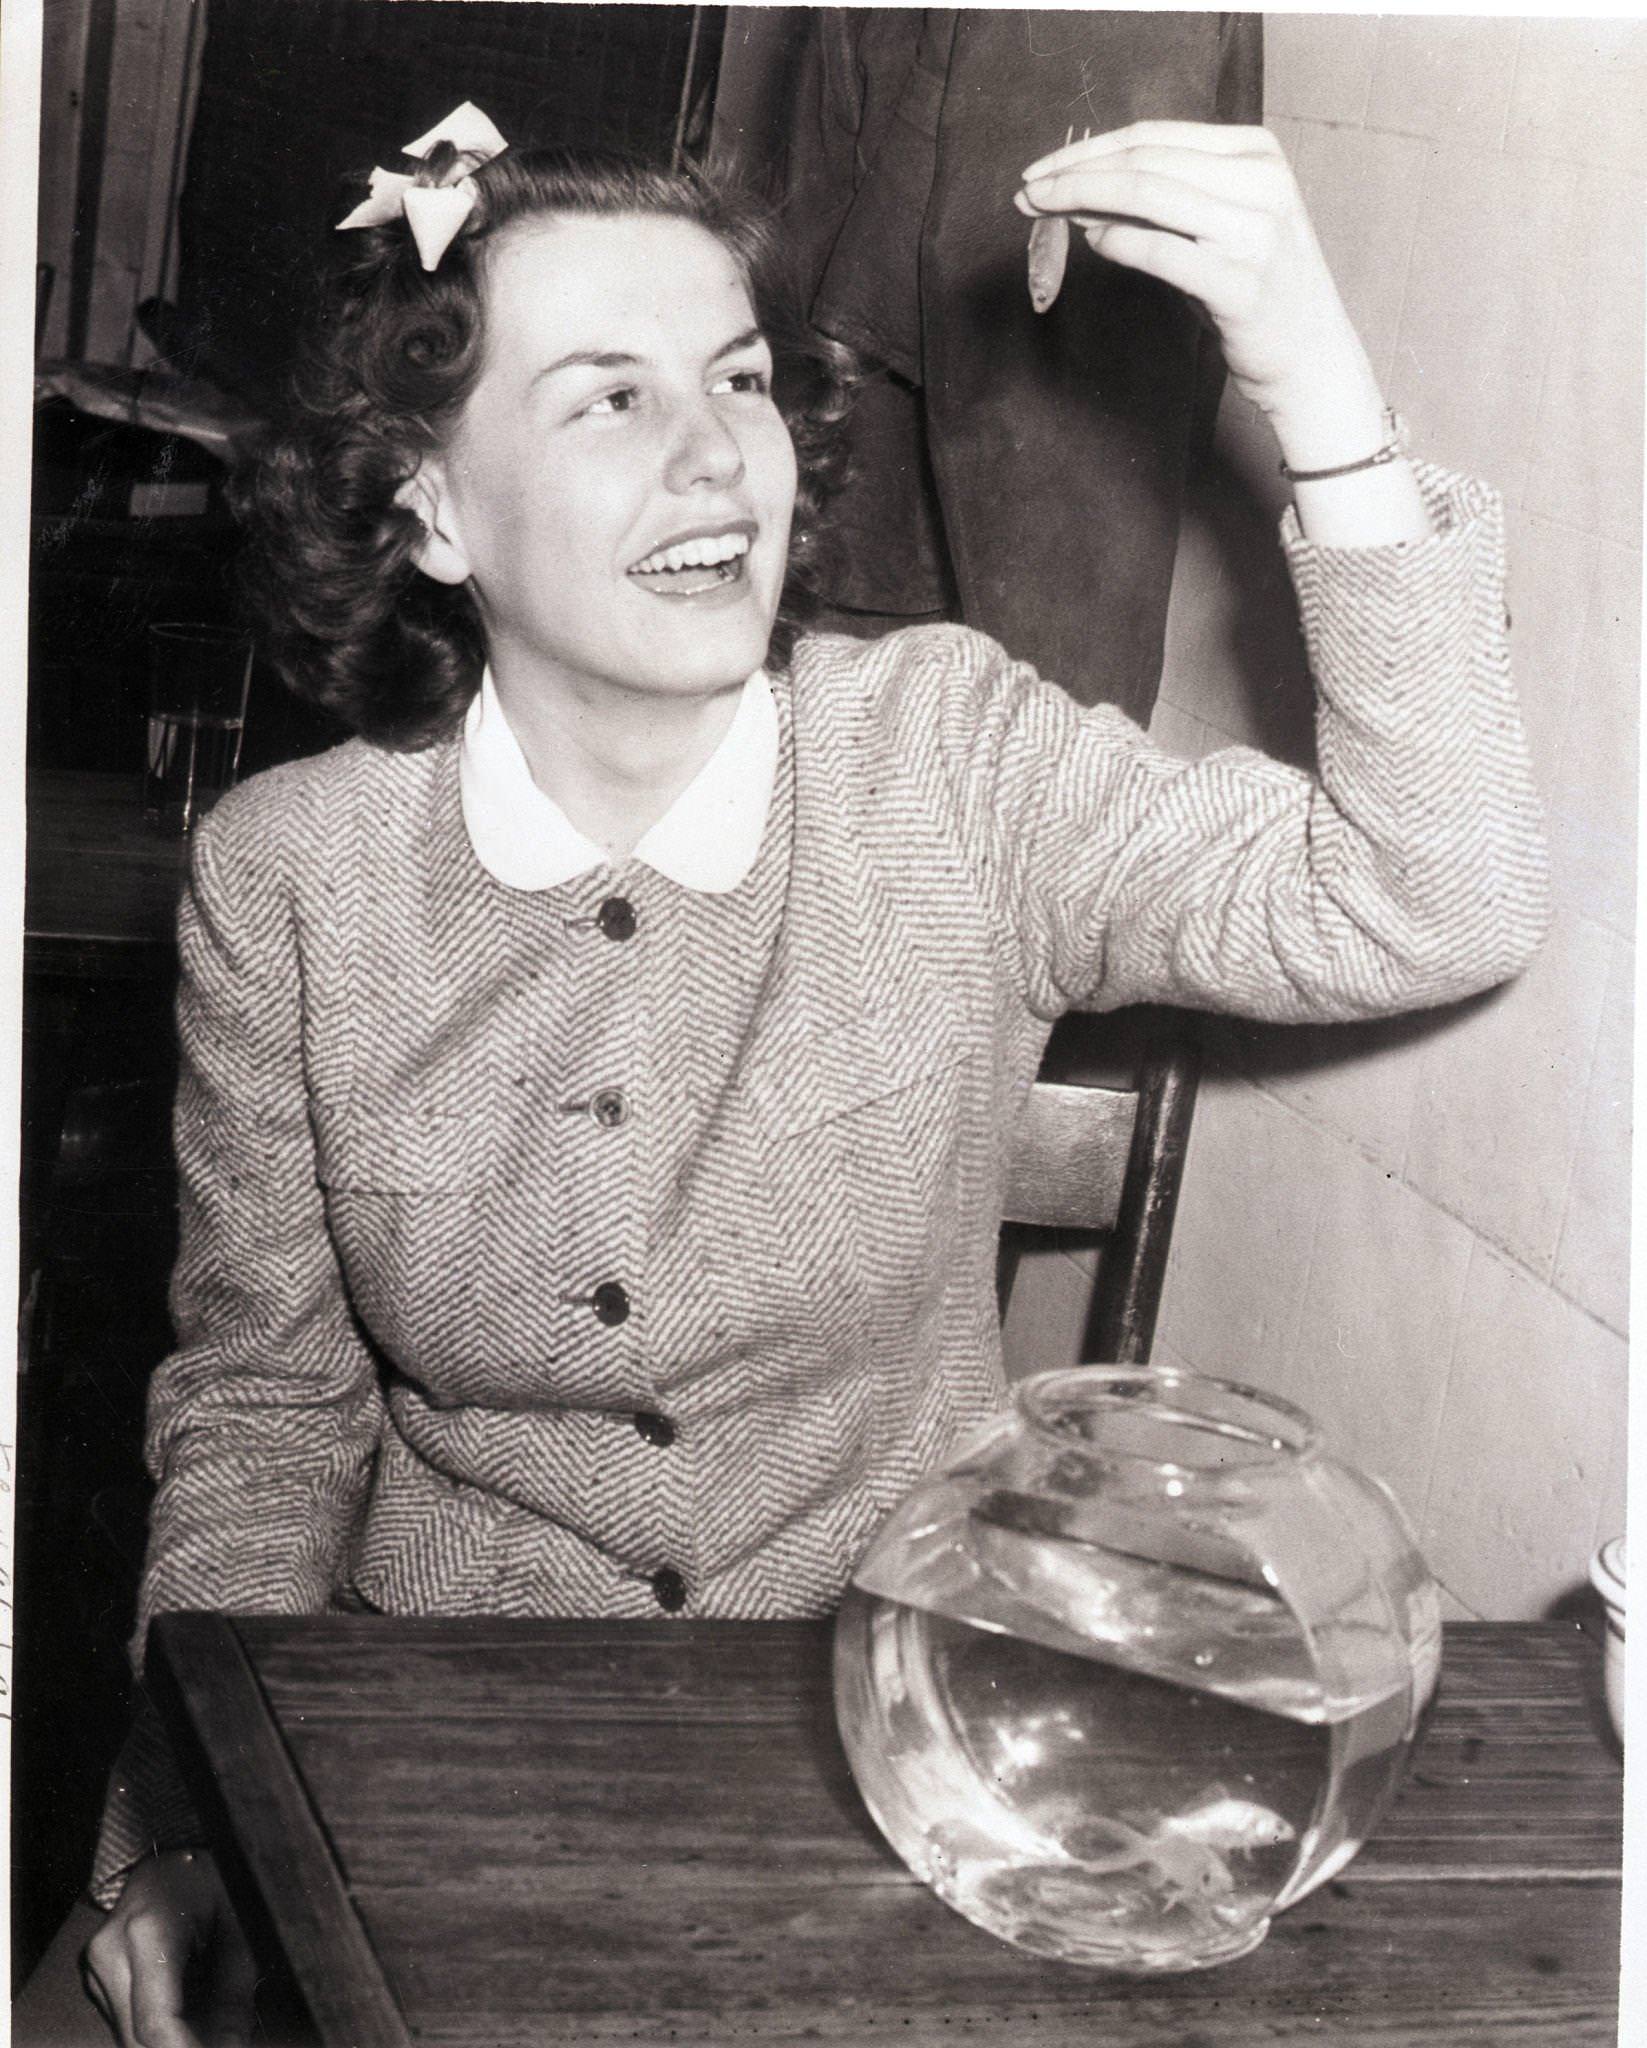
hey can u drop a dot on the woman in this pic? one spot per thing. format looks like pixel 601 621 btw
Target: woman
pixel 598 1077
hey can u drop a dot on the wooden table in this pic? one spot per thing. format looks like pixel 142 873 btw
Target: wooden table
pixel 516 1832
pixel 101 883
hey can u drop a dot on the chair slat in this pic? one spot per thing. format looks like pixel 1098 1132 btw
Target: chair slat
pixel 1070 1157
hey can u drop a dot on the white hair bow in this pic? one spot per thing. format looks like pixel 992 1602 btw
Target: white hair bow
pixel 434 213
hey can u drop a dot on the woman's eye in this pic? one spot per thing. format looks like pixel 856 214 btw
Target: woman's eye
pixel 757 382
pixel 614 401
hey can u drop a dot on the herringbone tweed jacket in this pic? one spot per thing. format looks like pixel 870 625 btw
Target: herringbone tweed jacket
pixel 396 1381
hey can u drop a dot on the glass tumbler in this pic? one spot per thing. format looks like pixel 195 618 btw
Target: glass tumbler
pixel 1139 1668
pixel 198 679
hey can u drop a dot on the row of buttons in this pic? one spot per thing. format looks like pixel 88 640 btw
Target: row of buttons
pixel 668 1587
pixel 608 1106
pixel 616 920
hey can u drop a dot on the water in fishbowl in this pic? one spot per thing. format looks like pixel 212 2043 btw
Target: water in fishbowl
pixel 1142 1801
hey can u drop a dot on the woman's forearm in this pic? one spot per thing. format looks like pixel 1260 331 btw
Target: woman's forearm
pixel 1412 872
pixel 1339 417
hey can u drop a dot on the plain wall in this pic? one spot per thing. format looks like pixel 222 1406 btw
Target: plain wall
pixel 1420 1230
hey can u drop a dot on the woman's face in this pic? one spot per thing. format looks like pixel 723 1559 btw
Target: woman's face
pixel 618 488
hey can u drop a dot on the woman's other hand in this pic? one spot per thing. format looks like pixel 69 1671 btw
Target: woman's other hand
pixel 1217 212
pixel 173 1930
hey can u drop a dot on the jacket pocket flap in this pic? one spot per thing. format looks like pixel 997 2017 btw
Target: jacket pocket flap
pixel 836 1072
pixel 403 1151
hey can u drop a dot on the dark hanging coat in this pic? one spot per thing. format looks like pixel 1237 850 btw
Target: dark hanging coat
pixel 1021 471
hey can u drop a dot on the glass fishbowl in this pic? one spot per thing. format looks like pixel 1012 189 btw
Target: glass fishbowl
pixel 1139 1668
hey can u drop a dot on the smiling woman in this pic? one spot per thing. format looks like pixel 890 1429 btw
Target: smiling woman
pixel 616 497
pixel 407 367
pixel 598 1077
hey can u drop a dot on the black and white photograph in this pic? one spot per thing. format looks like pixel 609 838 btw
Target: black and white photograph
pixel 826 961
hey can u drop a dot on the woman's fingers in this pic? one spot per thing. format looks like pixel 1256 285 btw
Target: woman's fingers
pixel 1212 138
pixel 108 1979
pixel 1123 192
pixel 1217 212
pixel 172 1908
pixel 159 1947
pixel 1246 180
pixel 1199 272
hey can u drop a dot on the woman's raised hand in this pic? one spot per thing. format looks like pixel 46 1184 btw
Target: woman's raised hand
pixel 1217 212
pixel 171 1931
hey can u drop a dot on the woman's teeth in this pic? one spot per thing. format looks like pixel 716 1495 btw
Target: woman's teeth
pixel 714 551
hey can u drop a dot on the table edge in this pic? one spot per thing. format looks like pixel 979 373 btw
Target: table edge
pixel 200 1676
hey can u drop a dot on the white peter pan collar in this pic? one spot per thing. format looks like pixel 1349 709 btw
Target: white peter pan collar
pixel 706 840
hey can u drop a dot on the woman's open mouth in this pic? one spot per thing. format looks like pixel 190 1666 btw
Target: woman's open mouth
pixel 689 568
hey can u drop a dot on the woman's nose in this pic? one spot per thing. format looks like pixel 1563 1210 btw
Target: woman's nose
pixel 705 451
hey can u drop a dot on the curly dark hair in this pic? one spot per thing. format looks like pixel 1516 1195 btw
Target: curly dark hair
pixel 347 617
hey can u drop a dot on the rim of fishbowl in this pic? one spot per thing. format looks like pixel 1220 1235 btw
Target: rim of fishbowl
pixel 1102 1386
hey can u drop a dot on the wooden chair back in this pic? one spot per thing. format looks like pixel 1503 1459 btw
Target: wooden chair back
pixel 1100 1161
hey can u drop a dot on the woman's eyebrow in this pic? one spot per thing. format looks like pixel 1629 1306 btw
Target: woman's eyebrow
pixel 617 359
pixel 747 339
pixel 587 358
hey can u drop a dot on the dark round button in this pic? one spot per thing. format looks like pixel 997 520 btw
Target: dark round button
pixel 669 1589
pixel 616 918
pixel 657 1429
pixel 611 1302
pixel 609 1108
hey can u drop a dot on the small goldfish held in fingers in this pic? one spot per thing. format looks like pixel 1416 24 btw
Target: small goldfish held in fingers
pixel 1048 254
pixel 1049 251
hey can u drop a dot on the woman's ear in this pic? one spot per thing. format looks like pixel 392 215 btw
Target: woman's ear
pixel 440 553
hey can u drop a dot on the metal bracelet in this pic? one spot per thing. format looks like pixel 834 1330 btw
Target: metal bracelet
pixel 1396 444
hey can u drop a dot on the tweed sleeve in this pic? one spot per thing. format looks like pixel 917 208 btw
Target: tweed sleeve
pixel 263 1423
pixel 1410 871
